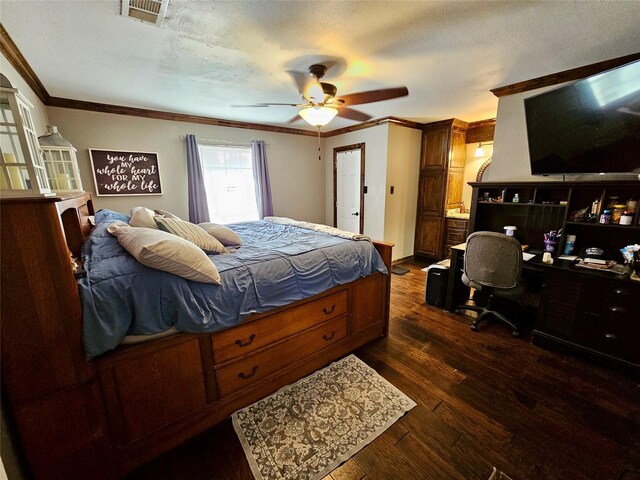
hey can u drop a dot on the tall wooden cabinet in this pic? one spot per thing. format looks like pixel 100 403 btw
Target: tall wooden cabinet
pixel 441 180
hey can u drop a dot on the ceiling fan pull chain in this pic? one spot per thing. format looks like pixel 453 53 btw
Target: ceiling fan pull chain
pixel 319 156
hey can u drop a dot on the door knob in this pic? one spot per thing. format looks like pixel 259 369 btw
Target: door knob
pixel 356 214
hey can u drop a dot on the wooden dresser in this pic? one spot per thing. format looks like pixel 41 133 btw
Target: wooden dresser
pixel 440 185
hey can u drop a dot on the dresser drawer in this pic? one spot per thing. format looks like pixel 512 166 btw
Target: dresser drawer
pixel 455 236
pixel 258 366
pixel 245 339
pixel 456 223
pixel 613 300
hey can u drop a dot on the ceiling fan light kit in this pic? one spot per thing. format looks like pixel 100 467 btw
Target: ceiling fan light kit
pixel 318 116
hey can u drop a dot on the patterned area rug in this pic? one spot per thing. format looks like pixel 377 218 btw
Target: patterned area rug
pixel 306 430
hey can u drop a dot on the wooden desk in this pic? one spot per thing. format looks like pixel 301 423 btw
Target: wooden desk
pixel 586 312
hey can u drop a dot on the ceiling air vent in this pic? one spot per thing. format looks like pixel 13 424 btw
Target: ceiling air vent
pixel 151 11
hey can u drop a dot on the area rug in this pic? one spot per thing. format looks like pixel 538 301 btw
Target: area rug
pixel 306 430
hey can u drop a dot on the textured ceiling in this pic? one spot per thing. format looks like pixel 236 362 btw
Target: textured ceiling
pixel 209 55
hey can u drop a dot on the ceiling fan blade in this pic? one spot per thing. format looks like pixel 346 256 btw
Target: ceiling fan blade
pixel 308 85
pixel 300 79
pixel 373 96
pixel 295 119
pixel 352 114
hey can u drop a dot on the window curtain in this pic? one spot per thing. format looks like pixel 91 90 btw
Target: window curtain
pixel 198 209
pixel 261 178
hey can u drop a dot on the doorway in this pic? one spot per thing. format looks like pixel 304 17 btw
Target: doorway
pixel 348 188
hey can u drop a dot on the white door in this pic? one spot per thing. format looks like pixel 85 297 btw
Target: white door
pixel 348 183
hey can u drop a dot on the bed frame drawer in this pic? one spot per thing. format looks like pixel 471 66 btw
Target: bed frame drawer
pixel 255 368
pixel 239 341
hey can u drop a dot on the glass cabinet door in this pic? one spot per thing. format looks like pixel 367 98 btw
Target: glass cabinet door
pixel 22 171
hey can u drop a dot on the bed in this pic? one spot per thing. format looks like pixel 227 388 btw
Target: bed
pixel 131 403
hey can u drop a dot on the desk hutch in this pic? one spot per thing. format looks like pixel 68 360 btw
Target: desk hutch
pixel 582 311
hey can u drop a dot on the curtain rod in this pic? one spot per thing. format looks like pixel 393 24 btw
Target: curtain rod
pixel 223 143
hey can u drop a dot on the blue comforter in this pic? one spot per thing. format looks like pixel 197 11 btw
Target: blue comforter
pixel 276 265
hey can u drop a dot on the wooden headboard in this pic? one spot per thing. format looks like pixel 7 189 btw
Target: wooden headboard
pixel 74 216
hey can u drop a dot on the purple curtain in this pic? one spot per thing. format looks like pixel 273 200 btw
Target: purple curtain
pixel 261 178
pixel 198 209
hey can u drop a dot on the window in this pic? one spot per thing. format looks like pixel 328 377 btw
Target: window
pixel 228 180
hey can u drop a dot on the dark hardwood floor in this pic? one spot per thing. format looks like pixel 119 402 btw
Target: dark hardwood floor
pixel 484 399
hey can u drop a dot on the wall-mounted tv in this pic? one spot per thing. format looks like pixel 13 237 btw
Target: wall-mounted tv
pixel 589 126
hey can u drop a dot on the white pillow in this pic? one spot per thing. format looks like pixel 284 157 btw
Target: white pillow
pixel 191 232
pixel 142 217
pixel 164 251
pixel 224 234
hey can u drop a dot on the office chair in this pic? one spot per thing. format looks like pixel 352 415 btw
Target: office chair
pixel 492 265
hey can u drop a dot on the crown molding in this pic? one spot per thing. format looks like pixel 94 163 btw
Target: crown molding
pixel 176 117
pixel 17 60
pixel 564 76
pixel 372 123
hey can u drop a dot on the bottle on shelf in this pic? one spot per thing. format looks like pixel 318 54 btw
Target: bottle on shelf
pixel 617 213
pixel 632 205
pixel 569 245
pixel 516 198
pixel 605 218
pixel 626 218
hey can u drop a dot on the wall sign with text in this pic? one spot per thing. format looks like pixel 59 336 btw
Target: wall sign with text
pixel 117 172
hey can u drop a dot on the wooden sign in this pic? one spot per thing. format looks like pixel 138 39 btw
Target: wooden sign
pixel 116 172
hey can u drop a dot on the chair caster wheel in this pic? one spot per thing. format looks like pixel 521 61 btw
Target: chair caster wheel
pixel 474 327
pixel 515 333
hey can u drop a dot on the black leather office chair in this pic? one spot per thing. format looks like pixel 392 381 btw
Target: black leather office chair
pixel 492 265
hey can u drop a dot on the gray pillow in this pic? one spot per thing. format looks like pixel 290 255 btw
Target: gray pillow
pixel 224 234
pixel 142 217
pixel 189 231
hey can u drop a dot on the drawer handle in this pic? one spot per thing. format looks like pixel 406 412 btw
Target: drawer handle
pixel 327 312
pixel 244 376
pixel 251 338
pixel 610 336
pixel 617 309
pixel 333 334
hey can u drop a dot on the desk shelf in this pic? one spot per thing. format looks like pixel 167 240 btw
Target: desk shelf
pixel 583 311
pixel 610 225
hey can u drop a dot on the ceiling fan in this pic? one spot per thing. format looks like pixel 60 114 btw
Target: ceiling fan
pixel 321 104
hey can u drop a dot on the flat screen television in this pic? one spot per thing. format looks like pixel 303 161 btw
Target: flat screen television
pixel 589 126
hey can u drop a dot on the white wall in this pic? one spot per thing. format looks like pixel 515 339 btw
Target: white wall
pixel 403 170
pixel 297 177
pixel 392 157
pixel 375 140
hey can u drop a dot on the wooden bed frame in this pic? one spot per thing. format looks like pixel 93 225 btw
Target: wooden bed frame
pixel 102 418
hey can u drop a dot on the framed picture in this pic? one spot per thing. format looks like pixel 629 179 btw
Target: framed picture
pixel 119 172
